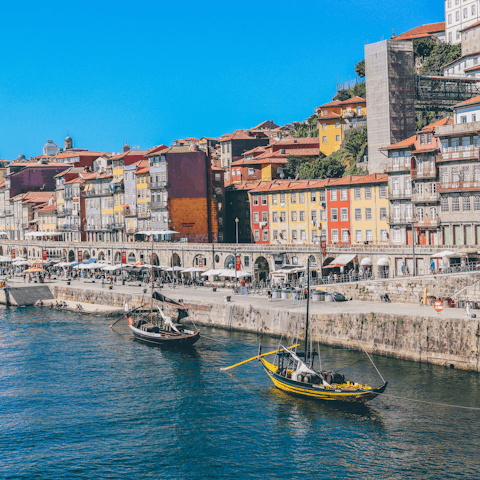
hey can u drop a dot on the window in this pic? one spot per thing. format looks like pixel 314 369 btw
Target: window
pixel 383 191
pixel 358 214
pixel 476 173
pixel 457 17
pixel 429 138
pixel 313 215
pixel 313 196
pixel 463 119
pixel 466 204
pixel 265 235
pixel 383 235
pixel 358 236
pixel 422 139
pixel 368 193
pixel 345 236
pixel 322 196
pixel 256 235
pixel 337 138
pixel 256 217
pixel 282 199
pixel 275 234
pixel 255 199
pixel 324 126
pixel 474 11
pixel 333 195
pixel 323 215
pixel 294 235
pixel 265 217
pixel 444 204
pixel 369 235
pixel 359 111
pixel 474 117
pixel 324 139
pixel 368 214
pixel 301 197
pixel 302 216
pixel 344 212
pixel 450 21
pixel 274 199
pixel 303 235
pixel 238 172
pixel 337 124
pixel 476 203
pixel 455 204
pixel 251 171
pixel 343 194
pixel 383 213
pixel 335 236
pixel 358 193
pixel 450 34
pixel 283 216
pixel 465 13
pixel 334 215
pixel 275 217
pixel 444 175
pixel 458 33
pixel 294 216
pixel 293 198
pixel 264 199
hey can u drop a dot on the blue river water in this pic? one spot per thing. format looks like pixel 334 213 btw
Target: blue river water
pixel 80 400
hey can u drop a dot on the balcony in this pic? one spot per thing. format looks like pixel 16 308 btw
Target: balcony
pixel 399 194
pixel 399 165
pixel 400 219
pixel 458 153
pixel 68 195
pixel 129 213
pixel 472 186
pixel 424 173
pixel 425 197
pixel 64 212
pixel 118 225
pixel 8 212
pixel 99 192
pixel 162 184
pixel 144 215
pixel 161 204
pixel 426 222
pixel 132 230
pixel 99 228
pixel 71 228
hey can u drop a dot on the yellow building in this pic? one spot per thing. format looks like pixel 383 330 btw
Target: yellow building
pixel 336 118
pixel 45 217
pixel 369 209
pixel 295 211
pixel 143 197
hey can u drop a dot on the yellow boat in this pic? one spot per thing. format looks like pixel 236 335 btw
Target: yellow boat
pixel 295 377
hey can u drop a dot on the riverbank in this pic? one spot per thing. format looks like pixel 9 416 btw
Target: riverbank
pixel 397 330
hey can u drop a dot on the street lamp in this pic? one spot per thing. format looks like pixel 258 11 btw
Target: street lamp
pixel 236 228
pixel 413 247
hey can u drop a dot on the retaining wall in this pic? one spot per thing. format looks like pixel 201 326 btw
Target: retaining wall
pixel 448 342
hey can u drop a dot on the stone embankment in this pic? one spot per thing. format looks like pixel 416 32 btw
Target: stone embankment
pixel 418 334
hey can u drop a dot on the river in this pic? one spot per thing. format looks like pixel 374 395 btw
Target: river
pixel 80 400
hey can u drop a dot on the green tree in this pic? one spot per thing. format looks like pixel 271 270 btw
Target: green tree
pixel 329 167
pixel 355 145
pixel 343 95
pixel 292 167
pixel 359 90
pixel 360 69
pixel 355 170
pixel 423 47
pixel 440 55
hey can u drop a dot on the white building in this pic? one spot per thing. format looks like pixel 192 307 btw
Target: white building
pixel 468 65
pixel 459 14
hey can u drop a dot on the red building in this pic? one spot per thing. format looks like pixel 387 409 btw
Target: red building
pixel 338 211
pixel 260 213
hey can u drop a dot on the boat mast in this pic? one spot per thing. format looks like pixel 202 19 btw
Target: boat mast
pixel 151 279
pixel 308 304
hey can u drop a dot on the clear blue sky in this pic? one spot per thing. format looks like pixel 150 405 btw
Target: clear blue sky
pixel 148 72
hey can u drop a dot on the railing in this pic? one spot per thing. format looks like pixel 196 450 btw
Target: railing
pixel 162 184
pixel 455 153
pixel 400 166
pixel 426 222
pixel 424 173
pixel 99 228
pixel 425 197
pixel 451 186
pixel 90 228
pixel 102 192
pixel 8 211
pixel 68 195
pixel 161 204
pixel 132 230
pixel 72 228
pixel 399 194
pixel 400 219
pixel 144 215
pixel 64 212
pixel 118 225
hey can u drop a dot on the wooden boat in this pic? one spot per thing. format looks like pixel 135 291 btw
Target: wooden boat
pixel 293 372
pixel 157 328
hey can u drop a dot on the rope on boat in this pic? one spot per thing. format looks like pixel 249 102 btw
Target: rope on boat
pixel 429 403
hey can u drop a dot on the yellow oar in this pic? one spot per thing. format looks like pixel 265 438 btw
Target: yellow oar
pixel 255 357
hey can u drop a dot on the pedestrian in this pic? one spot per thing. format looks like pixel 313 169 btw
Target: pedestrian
pixel 269 295
pixel 467 308
pixel 103 282
pixel 403 269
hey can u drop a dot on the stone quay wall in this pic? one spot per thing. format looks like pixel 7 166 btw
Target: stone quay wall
pixel 447 342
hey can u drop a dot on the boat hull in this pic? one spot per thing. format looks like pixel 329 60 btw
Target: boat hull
pixel 166 339
pixel 318 392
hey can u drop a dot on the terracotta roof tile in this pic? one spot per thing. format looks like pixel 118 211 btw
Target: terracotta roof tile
pixel 422 31
pixel 409 142
pixel 354 100
pixel 472 101
pixel 333 103
pixel 329 116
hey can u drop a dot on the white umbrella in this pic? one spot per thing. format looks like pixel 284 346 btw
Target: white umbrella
pixel 112 268
pixel 175 269
pixel 445 253
pixel 211 272
pixel 193 270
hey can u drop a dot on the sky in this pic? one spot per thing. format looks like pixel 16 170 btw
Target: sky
pixel 149 72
